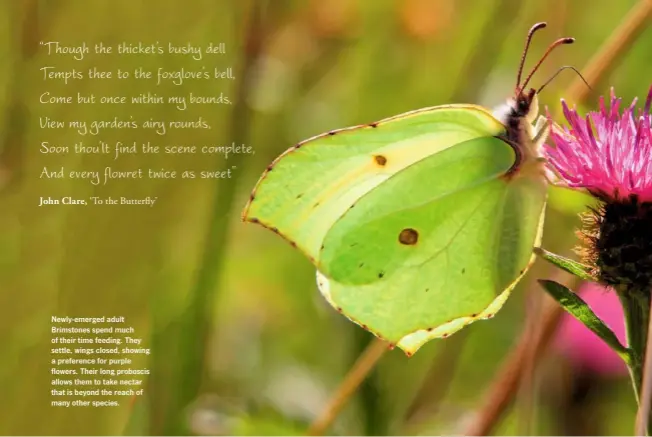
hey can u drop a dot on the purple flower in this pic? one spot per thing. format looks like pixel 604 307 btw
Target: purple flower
pixel 607 153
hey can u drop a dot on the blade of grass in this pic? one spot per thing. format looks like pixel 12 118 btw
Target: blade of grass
pixel 613 49
pixel 574 304
pixel 487 50
pixel 168 418
pixel 16 115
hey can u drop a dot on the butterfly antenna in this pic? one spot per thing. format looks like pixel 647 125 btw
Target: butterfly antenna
pixel 559 71
pixel 533 29
pixel 543 58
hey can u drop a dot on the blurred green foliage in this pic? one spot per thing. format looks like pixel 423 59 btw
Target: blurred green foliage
pixel 274 349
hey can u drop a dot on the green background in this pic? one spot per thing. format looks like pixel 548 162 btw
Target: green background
pixel 242 342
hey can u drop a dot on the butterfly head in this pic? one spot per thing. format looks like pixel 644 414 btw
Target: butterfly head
pixel 525 105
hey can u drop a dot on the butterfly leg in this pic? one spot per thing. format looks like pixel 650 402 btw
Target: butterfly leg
pixel 541 131
pixel 553 177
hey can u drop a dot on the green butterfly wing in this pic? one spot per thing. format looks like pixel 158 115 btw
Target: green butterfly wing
pixel 435 247
pixel 310 186
pixel 347 198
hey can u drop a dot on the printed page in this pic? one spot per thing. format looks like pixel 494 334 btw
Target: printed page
pixel 324 217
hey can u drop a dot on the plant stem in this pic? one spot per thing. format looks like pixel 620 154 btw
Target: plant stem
pixel 371 397
pixel 435 387
pixel 485 55
pixel 634 317
pixel 365 363
pixel 190 335
pixel 645 402
pixel 506 382
pixel 636 306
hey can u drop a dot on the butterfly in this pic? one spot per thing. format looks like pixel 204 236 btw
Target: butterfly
pixel 421 223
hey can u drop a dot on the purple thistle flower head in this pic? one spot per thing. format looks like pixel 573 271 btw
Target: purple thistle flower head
pixel 607 153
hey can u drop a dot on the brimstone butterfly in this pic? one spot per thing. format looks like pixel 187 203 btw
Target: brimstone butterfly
pixel 418 224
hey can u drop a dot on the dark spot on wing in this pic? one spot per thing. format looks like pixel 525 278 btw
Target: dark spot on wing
pixel 300 196
pixel 270 167
pixel 429 329
pixel 391 346
pixel 316 205
pixel 474 315
pixel 380 160
pixel 373 124
pixel 381 274
pixel 332 133
pixel 254 220
pixel 463 271
pixel 445 334
pixel 361 265
pixel 489 316
pixel 521 272
pixel 408 236
pixel 427 290
pixel 409 354
pixel 252 197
